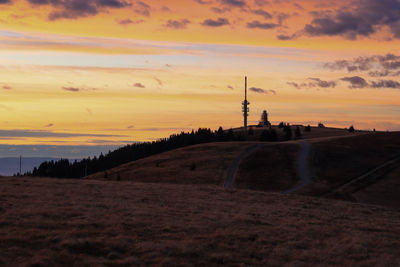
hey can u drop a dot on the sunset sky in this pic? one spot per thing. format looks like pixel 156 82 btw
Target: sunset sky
pixel 111 72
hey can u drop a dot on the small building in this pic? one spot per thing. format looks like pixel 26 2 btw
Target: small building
pixel 264 122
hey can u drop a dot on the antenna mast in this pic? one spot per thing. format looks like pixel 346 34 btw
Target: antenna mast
pixel 245 104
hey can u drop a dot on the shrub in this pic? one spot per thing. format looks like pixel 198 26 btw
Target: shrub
pixel 351 129
pixel 307 128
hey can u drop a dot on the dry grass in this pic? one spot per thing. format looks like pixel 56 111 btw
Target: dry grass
pixel 199 164
pixel 272 168
pixel 46 222
pixel 337 161
pixel 385 192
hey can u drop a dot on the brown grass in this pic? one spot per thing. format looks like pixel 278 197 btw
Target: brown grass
pixel 385 192
pixel 272 168
pixel 46 222
pixel 199 164
pixel 337 161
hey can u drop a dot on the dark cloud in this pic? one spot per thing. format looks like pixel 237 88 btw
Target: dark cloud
pixel 129 21
pixel 285 37
pixel 203 2
pixel 377 65
pixel 5 1
pixel 262 13
pixel 365 19
pixel 314 82
pixel 141 8
pixel 265 26
pixel 130 127
pixel 230 87
pixel 139 85
pixel 320 83
pixel 73 9
pixel 6 87
pixel 177 24
pixel 71 89
pixel 356 82
pixel 233 3
pixel 220 10
pixel 385 84
pixel 262 91
pixel 215 23
pixel 49 125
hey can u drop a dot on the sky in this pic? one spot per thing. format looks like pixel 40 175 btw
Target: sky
pixel 112 72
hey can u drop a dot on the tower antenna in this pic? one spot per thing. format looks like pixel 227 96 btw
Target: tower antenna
pixel 245 104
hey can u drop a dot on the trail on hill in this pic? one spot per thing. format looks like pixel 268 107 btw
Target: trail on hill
pixel 370 177
pixel 235 165
pixel 303 168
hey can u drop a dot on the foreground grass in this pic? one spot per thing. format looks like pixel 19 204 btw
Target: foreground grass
pixel 46 222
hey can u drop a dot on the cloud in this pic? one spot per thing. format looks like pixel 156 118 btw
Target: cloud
pixel 5 1
pixel 203 2
pixel 46 134
pixel 230 87
pixel 177 24
pixel 262 91
pixel 356 82
pixel 324 84
pixel 71 89
pixel 385 84
pixel 141 8
pixel 285 37
pixel 377 65
pixel 233 3
pixel 49 125
pixel 364 19
pixel 139 85
pixel 215 23
pixel 73 9
pixel 265 26
pixel 130 127
pixel 6 87
pixel 262 13
pixel 220 10
pixel 158 81
pixel 261 3
pixel 165 9
pixel 129 21
pixel 314 82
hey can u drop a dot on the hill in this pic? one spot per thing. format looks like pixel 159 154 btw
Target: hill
pixel 55 222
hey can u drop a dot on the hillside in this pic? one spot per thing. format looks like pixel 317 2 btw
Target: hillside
pixel 48 222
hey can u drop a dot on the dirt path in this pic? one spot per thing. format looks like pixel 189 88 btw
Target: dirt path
pixel 235 165
pixel 303 168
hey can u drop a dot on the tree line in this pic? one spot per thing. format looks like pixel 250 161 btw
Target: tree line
pixel 63 168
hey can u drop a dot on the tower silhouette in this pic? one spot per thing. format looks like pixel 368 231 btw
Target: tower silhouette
pixel 245 104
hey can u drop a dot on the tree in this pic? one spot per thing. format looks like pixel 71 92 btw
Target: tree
pixel 288 132
pixel 297 132
pixel 351 129
pixel 307 128
pixel 281 124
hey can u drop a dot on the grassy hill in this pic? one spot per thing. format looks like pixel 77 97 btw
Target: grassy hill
pixel 51 222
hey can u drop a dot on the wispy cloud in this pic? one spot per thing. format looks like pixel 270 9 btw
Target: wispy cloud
pixel 262 91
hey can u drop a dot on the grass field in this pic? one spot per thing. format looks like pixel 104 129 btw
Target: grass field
pixel 47 222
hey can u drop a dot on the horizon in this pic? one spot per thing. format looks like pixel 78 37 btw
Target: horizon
pixel 111 73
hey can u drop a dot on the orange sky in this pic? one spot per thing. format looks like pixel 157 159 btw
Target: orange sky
pixel 114 71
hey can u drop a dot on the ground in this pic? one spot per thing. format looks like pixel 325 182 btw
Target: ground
pixel 47 222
